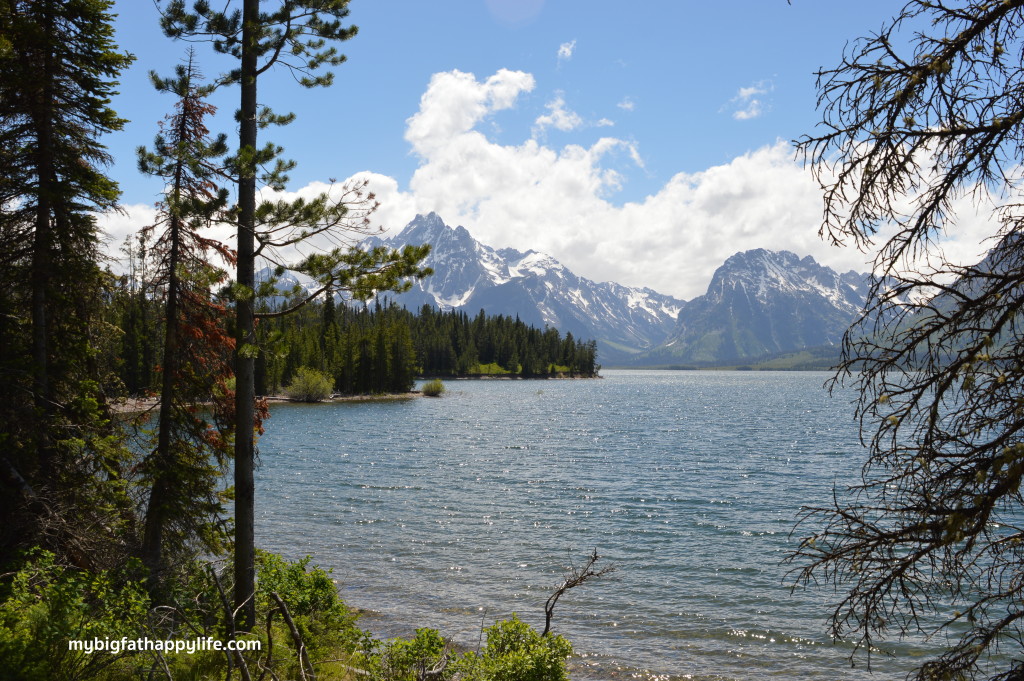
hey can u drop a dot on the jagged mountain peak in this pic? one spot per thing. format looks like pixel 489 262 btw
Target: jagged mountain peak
pixel 764 273
pixel 758 302
pixel 431 229
pixel 761 302
pixel 534 286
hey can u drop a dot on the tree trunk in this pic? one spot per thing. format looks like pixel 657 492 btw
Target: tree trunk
pixel 245 385
pixel 162 489
pixel 42 250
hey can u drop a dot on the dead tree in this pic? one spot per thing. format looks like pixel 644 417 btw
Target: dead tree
pixel 574 577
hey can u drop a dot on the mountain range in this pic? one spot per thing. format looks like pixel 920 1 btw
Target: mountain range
pixel 758 303
pixel 472 276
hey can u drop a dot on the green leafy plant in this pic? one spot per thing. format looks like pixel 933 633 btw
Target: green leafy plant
pixel 46 605
pixel 433 388
pixel 311 595
pixel 309 385
pixel 516 652
pixel 406 659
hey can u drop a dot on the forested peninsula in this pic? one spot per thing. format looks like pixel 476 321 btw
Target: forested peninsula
pixel 363 349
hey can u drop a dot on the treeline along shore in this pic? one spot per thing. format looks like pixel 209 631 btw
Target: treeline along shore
pixel 373 349
pixel 384 348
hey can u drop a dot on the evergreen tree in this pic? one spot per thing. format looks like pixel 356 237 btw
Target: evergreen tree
pixel 135 319
pixel 383 349
pixel 58 70
pixel 297 35
pixel 183 468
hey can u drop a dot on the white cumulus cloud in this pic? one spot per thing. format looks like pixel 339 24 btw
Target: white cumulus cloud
pixel 531 195
pixel 565 50
pixel 455 102
pixel 561 200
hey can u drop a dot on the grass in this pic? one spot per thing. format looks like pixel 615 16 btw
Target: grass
pixel 492 369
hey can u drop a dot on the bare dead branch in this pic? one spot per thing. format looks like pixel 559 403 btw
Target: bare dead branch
pixel 300 646
pixel 575 576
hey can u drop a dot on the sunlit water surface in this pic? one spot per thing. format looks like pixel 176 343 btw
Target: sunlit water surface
pixel 460 510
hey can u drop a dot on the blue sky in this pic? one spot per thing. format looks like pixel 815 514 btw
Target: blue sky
pixel 640 144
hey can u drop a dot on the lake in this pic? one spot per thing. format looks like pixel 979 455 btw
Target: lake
pixel 459 510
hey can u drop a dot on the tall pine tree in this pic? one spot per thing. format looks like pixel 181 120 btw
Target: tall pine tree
pixel 183 468
pixel 58 70
pixel 299 36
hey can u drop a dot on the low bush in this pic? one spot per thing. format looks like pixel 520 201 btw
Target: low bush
pixel 47 604
pixel 516 652
pixel 43 605
pixel 403 659
pixel 433 388
pixel 309 385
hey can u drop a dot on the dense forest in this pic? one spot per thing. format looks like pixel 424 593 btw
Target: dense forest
pixel 383 348
pixel 364 349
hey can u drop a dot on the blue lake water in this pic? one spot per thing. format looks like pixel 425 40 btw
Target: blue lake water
pixel 452 511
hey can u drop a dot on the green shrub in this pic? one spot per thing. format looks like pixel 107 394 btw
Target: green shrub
pixel 312 598
pixel 326 626
pixel 433 388
pixel 43 605
pixel 516 652
pixel 402 659
pixel 309 385
pixel 46 605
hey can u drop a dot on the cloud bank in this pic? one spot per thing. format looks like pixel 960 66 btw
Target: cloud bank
pixel 561 201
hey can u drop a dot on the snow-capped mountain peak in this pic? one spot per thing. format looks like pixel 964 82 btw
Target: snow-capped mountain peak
pixel 761 302
pixel 758 302
pixel 534 286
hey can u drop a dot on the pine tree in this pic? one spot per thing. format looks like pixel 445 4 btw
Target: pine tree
pixel 183 469
pixel 58 70
pixel 297 35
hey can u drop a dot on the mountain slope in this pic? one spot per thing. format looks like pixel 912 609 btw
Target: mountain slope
pixel 762 302
pixel 471 276
pixel 759 302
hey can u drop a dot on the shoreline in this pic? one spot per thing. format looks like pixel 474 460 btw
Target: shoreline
pixel 381 397
pixel 509 377
pixel 141 405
